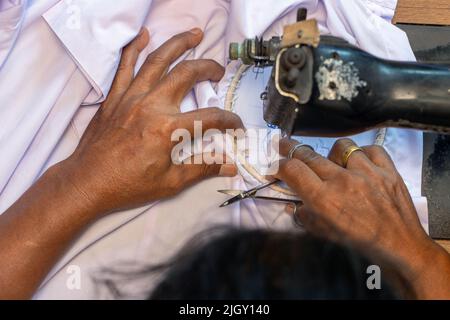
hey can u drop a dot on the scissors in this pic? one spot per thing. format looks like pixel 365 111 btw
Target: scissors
pixel 239 195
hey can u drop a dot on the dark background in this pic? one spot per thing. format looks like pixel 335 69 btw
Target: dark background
pixel 433 43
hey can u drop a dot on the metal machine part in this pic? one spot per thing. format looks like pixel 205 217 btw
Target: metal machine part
pixel 324 86
pixel 264 53
pixel 256 51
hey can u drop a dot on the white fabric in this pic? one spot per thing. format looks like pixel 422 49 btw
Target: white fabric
pixel 62 54
pixel 11 17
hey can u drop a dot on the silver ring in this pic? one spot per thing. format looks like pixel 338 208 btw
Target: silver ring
pixel 296 219
pixel 296 147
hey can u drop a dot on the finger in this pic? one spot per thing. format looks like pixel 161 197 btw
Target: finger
pixel 358 159
pixel 379 156
pixel 159 61
pixel 321 166
pixel 300 178
pixel 209 118
pixel 193 173
pixel 177 84
pixel 125 72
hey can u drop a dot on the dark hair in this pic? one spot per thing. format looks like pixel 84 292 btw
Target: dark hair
pixel 229 264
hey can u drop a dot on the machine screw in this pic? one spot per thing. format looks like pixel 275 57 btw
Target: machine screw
pixel 294 58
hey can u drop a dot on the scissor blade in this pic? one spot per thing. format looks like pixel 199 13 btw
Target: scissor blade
pixel 248 194
pixel 235 199
pixel 232 193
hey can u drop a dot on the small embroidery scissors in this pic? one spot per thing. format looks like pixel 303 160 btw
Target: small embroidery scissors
pixel 239 195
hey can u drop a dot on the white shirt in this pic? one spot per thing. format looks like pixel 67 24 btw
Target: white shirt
pixel 63 54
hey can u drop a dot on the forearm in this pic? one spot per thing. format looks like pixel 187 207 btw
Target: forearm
pixel 37 229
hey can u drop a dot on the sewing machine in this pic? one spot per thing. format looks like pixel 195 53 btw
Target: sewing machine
pixel 324 86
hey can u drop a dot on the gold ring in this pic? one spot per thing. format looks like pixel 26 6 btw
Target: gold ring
pixel 348 153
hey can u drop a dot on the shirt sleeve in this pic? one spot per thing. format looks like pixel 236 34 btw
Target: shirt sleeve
pixel 94 33
pixel 11 18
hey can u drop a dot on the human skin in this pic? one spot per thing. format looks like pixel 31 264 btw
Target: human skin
pixel 123 161
pixel 367 205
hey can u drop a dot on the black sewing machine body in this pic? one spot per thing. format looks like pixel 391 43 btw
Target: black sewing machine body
pixel 324 86
pixel 337 89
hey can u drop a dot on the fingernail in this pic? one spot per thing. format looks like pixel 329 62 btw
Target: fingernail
pixel 196 31
pixel 290 209
pixel 228 170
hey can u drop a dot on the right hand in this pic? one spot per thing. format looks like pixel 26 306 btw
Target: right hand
pixel 124 158
pixel 366 204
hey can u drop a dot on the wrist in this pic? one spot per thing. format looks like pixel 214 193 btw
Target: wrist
pixel 76 188
pixel 426 267
pixel 432 276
